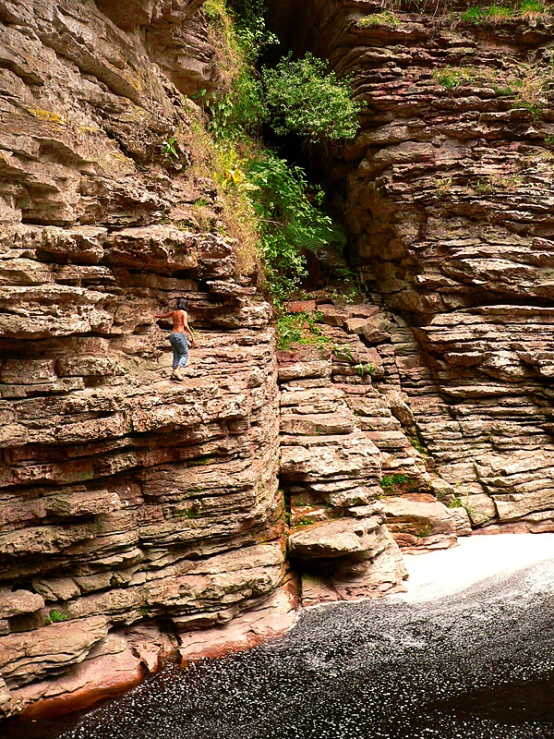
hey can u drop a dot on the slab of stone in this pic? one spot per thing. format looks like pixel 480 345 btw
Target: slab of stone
pixel 334 539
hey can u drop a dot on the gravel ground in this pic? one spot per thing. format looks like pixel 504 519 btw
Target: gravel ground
pixel 474 663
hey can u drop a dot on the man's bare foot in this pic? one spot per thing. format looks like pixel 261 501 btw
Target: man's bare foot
pixel 177 374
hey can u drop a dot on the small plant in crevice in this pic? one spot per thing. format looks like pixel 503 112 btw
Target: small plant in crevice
pixel 452 77
pixel 194 512
pixel 444 186
pixel 418 446
pixel 483 187
pixel 169 148
pixel 343 351
pixel 386 18
pixel 391 482
pixel 365 369
pixel 56 617
pixel 426 531
pixel 472 15
pixel 300 328
pixel 498 183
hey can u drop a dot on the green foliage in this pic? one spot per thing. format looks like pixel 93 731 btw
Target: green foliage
pixel 56 617
pixel 291 221
pixel 455 502
pixel 364 369
pixel 472 15
pixel 168 148
pixel 427 530
pixel 194 512
pixel 267 195
pixel 251 29
pixel 238 114
pixel 343 351
pixel 535 108
pixel 390 482
pixel 527 84
pixel 386 18
pixel 532 6
pixel 303 98
pixel 305 522
pixel 417 445
pixel 444 186
pixel 499 13
pixel 299 328
pixel 237 109
pixel 451 77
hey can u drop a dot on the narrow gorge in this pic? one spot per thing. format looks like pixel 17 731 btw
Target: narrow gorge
pixel 145 521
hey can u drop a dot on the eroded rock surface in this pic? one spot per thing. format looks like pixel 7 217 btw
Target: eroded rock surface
pixel 447 191
pixel 132 507
pixel 330 472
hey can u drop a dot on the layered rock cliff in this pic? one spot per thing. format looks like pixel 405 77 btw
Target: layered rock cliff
pixel 126 498
pixel 447 193
pixel 135 510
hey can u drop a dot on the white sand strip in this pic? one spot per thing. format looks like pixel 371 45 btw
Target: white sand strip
pixel 477 558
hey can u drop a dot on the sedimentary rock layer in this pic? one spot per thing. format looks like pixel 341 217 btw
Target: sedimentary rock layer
pixel 447 192
pixel 132 507
pixel 330 470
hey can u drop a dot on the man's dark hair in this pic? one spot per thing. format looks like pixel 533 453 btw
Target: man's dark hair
pixel 182 304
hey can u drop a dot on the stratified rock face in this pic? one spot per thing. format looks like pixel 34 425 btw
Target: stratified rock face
pixel 124 497
pixel 447 191
pixel 330 473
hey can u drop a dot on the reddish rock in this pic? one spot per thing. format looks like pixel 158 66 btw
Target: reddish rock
pixel 301 306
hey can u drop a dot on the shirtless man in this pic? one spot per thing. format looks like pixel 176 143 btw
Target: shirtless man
pixel 178 337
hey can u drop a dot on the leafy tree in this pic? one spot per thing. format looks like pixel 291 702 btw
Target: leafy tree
pixel 302 97
pixel 259 187
pixel 291 221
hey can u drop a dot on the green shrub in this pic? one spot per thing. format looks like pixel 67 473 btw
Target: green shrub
pixel 472 15
pixel 531 6
pixel 250 27
pixel 386 18
pixel 56 617
pixel 290 220
pixel 390 482
pixel 499 12
pixel 303 98
pixel 299 328
pixel 239 113
pixel 273 212
pixel 451 77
